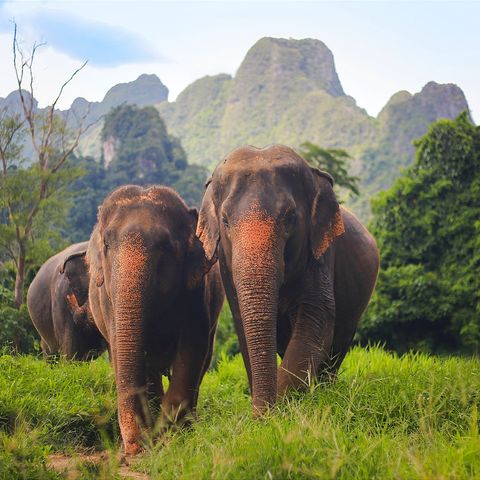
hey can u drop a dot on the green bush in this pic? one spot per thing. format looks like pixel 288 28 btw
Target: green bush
pixel 16 328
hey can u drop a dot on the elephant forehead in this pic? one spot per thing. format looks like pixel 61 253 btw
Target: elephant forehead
pixel 263 171
pixel 268 153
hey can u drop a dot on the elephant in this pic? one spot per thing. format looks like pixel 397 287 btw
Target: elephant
pixel 298 269
pixel 156 300
pixel 57 301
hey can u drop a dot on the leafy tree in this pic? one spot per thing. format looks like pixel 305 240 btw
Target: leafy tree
pixel 33 204
pixel 144 153
pixel 428 231
pixel 88 192
pixel 334 161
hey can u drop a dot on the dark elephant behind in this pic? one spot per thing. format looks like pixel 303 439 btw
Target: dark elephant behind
pixel 297 268
pixel 57 301
pixel 156 300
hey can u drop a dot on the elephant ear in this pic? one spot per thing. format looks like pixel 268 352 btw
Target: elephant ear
pixel 72 256
pixel 198 265
pixel 75 269
pixel 207 226
pixel 326 218
pixel 94 259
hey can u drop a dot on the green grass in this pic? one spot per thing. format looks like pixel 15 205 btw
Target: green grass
pixel 386 417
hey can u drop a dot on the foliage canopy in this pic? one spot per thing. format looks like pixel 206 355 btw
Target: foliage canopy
pixel 334 161
pixel 428 231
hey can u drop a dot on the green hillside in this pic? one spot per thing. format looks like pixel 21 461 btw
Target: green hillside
pixel 386 417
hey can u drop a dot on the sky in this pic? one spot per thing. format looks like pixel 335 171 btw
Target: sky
pixel 379 47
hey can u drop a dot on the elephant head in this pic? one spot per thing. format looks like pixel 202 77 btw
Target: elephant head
pixel 265 214
pixel 74 267
pixel 142 252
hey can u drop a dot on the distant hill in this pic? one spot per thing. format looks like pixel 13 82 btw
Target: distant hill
pixel 285 91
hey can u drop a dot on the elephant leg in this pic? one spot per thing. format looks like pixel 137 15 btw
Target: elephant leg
pixel 187 373
pixel 45 348
pixel 345 326
pixel 242 343
pixel 67 345
pixel 307 352
pixel 49 354
pixel 208 358
pixel 310 345
pixel 155 390
pixel 284 333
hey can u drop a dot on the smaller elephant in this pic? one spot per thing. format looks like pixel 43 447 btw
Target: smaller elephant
pixel 57 301
pixel 156 300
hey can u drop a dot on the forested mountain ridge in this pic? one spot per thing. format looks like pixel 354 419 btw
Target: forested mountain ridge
pixel 285 91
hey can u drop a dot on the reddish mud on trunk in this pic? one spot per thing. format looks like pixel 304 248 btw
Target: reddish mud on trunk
pixel 129 290
pixel 255 266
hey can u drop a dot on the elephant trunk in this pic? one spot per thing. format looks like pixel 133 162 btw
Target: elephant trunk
pixel 256 275
pixel 130 274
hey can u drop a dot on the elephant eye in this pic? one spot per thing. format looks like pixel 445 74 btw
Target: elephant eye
pixel 105 244
pixel 166 246
pixel 225 221
pixel 291 218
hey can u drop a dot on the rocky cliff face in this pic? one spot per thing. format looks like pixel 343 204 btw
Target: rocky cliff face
pixel 272 62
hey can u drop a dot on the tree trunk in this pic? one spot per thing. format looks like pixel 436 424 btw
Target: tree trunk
pixel 20 277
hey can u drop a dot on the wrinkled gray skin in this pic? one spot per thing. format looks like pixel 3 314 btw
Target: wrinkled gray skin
pixel 297 268
pixel 57 301
pixel 154 302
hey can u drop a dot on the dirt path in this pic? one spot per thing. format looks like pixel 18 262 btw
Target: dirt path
pixel 102 462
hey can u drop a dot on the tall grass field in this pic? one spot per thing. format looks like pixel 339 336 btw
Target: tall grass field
pixel 386 417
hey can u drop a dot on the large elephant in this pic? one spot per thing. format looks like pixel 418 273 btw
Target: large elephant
pixel 155 300
pixel 57 301
pixel 297 268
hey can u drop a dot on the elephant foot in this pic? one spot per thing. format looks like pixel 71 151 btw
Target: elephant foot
pixel 132 447
pixel 261 408
pixel 176 414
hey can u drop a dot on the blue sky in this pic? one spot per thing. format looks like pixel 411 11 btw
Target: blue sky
pixel 379 47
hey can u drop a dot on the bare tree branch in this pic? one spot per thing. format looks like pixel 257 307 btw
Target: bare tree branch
pixel 53 143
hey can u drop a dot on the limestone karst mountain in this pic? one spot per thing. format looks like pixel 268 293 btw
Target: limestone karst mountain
pixel 285 91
